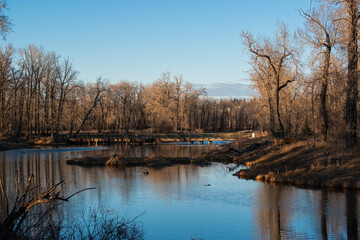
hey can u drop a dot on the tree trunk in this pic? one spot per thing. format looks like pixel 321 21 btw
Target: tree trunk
pixel 88 113
pixel 271 116
pixel 282 130
pixel 352 80
pixel 323 95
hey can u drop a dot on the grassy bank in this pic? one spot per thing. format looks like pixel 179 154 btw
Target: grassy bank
pixel 306 163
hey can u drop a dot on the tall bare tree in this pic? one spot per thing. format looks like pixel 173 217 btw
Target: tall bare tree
pixel 6 62
pixel 66 78
pixel 96 94
pixel 278 54
pixel 321 32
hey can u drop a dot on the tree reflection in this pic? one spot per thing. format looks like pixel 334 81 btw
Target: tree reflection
pixel 269 214
pixel 351 214
pixel 286 212
pixel 323 215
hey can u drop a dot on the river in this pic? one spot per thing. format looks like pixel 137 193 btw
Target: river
pixel 184 201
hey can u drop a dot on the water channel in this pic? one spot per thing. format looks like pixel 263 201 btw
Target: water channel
pixel 184 201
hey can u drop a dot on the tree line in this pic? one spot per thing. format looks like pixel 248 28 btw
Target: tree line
pixel 41 95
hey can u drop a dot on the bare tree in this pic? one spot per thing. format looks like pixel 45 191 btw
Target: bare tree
pixel 278 53
pixel 96 93
pixel 261 77
pixel 179 91
pixel 66 77
pixel 6 62
pixel 321 33
pixel 35 62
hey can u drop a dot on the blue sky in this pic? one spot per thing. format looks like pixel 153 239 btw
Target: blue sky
pixel 137 40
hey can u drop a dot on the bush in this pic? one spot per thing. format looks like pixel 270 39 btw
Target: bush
pixel 94 224
pixel 306 130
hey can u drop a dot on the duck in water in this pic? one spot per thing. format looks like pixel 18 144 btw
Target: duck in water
pixel 145 171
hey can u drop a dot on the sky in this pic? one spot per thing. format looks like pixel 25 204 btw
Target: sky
pixel 138 40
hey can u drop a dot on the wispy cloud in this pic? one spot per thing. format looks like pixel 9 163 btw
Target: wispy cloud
pixel 228 89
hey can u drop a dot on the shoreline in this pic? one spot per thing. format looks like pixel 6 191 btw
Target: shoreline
pixel 109 138
pixel 304 163
pixel 21 143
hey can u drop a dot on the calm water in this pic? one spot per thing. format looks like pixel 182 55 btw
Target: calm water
pixel 177 203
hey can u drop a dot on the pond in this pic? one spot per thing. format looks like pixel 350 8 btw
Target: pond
pixel 184 201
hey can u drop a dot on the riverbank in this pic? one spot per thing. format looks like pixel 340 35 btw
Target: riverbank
pixel 304 163
pixel 33 142
pixel 19 144
pixel 140 138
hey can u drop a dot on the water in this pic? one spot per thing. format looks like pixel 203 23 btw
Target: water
pixel 180 202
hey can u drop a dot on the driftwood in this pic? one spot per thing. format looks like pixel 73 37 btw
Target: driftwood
pixel 25 201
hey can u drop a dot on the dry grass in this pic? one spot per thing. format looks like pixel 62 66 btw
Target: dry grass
pixel 307 162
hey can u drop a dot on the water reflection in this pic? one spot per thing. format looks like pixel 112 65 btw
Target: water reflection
pixel 351 214
pixel 285 212
pixel 180 201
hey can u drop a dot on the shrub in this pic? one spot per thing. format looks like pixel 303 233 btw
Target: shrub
pixel 306 130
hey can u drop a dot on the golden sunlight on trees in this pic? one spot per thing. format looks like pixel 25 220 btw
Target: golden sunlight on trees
pixel 41 95
pixel 320 88
pixel 274 65
pixel 321 32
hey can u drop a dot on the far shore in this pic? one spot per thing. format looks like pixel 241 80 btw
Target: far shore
pixel 101 138
pixel 306 162
pixel 23 143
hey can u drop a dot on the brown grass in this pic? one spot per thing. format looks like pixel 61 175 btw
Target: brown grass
pixel 311 163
